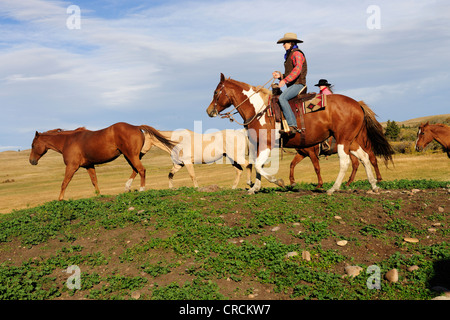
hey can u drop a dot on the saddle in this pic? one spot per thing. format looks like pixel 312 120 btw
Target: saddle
pixel 301 104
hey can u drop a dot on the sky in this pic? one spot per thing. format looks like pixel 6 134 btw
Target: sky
pixel 67 64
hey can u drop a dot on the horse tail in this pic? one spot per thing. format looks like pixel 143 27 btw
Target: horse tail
pixel 380 146
pixel 158 135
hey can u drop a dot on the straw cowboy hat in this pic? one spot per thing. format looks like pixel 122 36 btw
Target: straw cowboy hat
pixel 289 37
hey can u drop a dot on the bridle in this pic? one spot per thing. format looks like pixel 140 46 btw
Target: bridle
pixel 230 114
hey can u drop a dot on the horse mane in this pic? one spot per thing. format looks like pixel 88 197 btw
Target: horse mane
pixel 57 131
pixel 263 91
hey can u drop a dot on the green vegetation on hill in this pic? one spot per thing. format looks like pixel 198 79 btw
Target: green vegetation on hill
pixel 181 244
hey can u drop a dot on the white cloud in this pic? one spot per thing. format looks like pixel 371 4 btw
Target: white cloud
pixel 163 62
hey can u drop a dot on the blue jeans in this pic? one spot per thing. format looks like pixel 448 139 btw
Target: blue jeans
pixel 284 98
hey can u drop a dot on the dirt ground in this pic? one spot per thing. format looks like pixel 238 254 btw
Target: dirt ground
pixel 418 207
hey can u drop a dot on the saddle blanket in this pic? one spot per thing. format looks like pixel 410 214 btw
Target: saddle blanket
pixel 300 105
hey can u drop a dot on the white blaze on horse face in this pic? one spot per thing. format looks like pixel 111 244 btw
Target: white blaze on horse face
pixel 418 136
pixel 257 102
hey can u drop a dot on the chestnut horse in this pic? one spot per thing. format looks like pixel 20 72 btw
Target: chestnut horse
pixel 429 132
pixel 314 152
pixel 343 118
pixel 85 148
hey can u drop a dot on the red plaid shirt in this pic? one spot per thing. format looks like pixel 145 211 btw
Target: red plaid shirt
pixel 297 59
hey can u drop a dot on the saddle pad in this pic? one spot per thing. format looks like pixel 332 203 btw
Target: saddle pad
pixel 313 104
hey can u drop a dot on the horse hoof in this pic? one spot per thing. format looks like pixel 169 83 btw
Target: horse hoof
pixel 251 191
pixel 280 183
pixel 330 192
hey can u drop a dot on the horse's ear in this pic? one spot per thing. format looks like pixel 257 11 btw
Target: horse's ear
pixel 37 134
pixel 222 77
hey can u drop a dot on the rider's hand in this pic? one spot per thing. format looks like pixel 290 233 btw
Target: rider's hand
pixel 276 75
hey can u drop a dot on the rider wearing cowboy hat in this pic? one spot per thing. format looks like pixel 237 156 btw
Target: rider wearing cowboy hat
pixel 324 86
pixel 294 77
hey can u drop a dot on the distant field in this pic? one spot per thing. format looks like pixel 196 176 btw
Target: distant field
pixel 23 185
pixel 416 122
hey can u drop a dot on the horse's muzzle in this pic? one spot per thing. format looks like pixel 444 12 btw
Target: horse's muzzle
pixel 33 162
pixel 212 113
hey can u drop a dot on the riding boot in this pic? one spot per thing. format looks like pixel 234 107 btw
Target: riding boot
pixel 292 131
pixel 325 146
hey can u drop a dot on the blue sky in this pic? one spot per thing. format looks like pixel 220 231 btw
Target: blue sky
pixel 158 62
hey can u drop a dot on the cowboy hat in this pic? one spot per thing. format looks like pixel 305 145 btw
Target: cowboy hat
pixel 323 82
pixel 289 37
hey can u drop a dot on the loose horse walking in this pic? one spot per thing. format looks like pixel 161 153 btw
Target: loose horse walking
pixel 429 132
pixel 343 118
pixel 196 148
pixel 85 148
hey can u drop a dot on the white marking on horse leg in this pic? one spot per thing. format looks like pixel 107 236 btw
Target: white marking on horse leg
pixel 128 185
pixel 142 189
pixel 260 161
pixel 364 157
pixel 256 186
pixel 344 161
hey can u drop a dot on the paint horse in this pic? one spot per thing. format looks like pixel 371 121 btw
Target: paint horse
pixel 429 132
pixel 196 148
pixel 315 151
pixel 344 118
pixel 85 148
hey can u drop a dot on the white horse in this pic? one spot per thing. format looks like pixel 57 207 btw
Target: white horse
pixel 196 148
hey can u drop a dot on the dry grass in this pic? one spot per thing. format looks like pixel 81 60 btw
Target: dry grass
pixel 23 185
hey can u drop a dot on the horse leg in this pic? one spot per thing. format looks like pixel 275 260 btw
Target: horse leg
pixel 191 171
pixel 297 158
pixel 364 157
pixel 136 164
pixel 260 160
pixel 315 161
pixel 172 172
pixel 239 170
pixel 248 167
pixel 355 165
pixel 374 162
pixel 93 176
pixel 130 181
pixel 344 161
pixel 70 171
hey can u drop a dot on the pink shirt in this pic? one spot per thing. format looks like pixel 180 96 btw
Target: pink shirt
pixel 326 91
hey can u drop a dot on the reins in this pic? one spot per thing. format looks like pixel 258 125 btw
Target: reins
pixel 229 114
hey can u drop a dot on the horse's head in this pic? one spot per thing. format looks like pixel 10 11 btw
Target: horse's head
pixel 423 137
pixel 38 149
pixel 221 100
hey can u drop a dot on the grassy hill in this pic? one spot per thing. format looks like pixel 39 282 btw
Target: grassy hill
pixel 416 122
